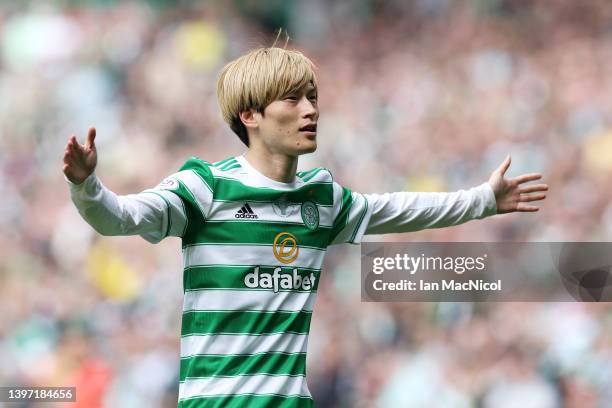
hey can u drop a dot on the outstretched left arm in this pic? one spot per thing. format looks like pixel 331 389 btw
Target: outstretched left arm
pixel 409 211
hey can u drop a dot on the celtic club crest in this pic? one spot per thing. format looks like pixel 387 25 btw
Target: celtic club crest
pixel 310 215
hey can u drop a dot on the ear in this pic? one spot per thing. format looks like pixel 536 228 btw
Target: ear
pixel 249 119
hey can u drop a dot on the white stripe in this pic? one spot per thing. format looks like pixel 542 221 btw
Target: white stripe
pixel 356 215
pixel 337 199
pixel 244 384
pixel 198 188
pixel 263 300
pixel 226 211
pixel 227 164
pixel 356 212
pixel 179 218
pixel 226 344
pixel 263 255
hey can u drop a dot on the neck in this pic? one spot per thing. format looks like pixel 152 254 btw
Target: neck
pixel 276 166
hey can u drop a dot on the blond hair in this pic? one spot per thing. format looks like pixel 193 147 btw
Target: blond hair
pixel 257 79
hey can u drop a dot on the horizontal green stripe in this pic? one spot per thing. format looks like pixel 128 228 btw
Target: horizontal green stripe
pixel 240 202
pixel 250 401
pixel 262 363
pixel 232 277
pixel 259 232
pixel 234 190
pixel 245 322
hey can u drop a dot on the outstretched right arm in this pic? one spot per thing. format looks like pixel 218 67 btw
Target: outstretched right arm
pixel 153 214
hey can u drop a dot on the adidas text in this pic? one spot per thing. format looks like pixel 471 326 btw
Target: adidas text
pixel 254 216
pixel 246 212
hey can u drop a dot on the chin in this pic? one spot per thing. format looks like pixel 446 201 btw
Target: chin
pixel 307 148
pixel 304 146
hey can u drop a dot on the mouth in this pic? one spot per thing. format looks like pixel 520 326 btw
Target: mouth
pixel 309 128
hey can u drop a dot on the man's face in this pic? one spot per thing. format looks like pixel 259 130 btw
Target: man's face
pixel 289 125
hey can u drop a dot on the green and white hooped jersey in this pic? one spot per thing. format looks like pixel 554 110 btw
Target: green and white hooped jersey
pixel 252 251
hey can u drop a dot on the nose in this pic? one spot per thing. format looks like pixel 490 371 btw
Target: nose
pixel 309 109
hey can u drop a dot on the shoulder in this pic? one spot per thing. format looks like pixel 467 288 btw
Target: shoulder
pixel 195 163
pixel 194 172
pixel 226 167
pixel 315 175
pixel 186 175
pixel 209 171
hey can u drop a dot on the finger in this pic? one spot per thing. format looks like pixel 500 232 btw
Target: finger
pixel 74 149
pixel 504 166
pixel 75 146
pixel 73 140
pixel 532 197
pixel 526 177
pixel 91 135
pixel 527 208
pixel 533 188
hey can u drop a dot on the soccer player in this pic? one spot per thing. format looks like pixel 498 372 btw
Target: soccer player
pixel 254 231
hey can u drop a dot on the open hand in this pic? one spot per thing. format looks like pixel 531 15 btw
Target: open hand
pixel 510 195
pixel 80 160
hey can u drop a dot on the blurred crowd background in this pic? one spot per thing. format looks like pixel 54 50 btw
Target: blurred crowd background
pixel 424 95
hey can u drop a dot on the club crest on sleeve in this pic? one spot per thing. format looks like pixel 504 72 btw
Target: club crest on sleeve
pixel 310 215
pixel 169 183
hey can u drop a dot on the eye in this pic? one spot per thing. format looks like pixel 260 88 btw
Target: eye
pixel 291 97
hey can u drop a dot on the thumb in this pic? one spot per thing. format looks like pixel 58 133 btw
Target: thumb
pixel 91 135
pixel 504 166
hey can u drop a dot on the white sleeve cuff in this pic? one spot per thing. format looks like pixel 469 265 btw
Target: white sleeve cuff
pixel 488 199
pixel 84 184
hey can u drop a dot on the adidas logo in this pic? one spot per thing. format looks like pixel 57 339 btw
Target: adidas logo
pixel 246 212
